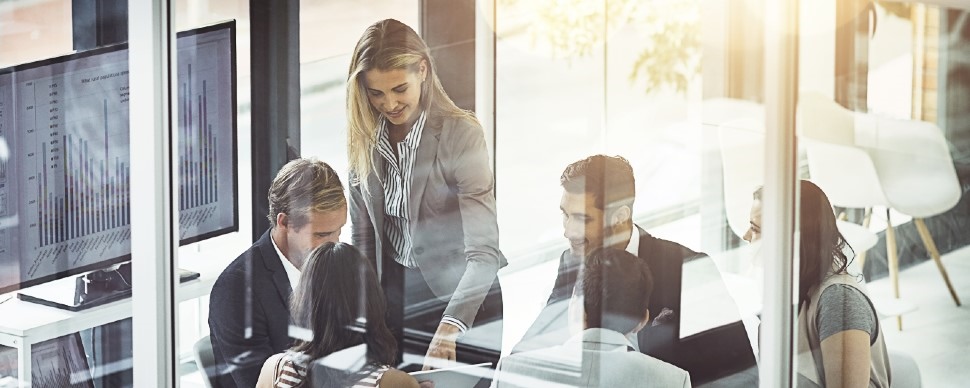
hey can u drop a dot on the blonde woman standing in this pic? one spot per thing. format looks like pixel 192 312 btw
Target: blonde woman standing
pixel 422 199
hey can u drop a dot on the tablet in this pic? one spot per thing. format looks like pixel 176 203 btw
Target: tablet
pixel 457 377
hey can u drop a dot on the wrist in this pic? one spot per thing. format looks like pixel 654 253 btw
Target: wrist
pixel 448 331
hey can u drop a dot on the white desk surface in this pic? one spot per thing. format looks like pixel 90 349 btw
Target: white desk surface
pixel 35 323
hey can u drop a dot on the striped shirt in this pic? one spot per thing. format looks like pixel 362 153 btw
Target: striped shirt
pixel 397 191
pixel 397 188
pixel 291 372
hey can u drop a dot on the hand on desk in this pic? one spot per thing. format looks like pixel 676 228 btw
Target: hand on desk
pixel 442 347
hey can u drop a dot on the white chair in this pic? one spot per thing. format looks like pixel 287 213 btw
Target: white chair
pixel 862 161
pixel 206 362
pixel 742 159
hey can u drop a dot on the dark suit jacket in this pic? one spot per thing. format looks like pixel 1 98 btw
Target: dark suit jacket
pixel 454 232
pixel 705 356
pixel 249 313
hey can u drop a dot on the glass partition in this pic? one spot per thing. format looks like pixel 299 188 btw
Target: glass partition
pixel 640 80
pixel 65 231
pixel 885 142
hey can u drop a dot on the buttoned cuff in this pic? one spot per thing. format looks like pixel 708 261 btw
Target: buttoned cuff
pixel 462 327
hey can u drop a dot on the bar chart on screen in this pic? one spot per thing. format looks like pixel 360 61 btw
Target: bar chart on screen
pixel 205 152
pixel 67 182
pixel 74 140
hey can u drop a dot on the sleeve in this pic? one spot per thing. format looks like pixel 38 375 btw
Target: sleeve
pixel 462 327
pixel 238 327
pixel 361 230
pixel 476 202
pixel 842 308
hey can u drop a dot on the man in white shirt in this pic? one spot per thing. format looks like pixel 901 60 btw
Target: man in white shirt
pixel 616 288
pixel 249 305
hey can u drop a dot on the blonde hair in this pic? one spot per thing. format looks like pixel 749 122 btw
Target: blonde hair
pixel 388 45
pixel 301 186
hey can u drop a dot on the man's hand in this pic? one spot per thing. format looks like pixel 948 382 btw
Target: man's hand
pixel 442 347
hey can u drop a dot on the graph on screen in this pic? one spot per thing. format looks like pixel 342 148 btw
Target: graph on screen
pixel 205 146
pixel 67 180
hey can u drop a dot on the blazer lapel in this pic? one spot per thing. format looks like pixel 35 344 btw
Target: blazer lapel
pixel 272 263
pixel 423 161
pixel 375 207
pixel 375 183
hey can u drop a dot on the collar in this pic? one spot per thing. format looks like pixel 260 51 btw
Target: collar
pixel 292 273
pixel 602 339
pixel 413 137
pixel 634 245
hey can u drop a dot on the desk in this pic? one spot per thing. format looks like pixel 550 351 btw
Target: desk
pixel 23 324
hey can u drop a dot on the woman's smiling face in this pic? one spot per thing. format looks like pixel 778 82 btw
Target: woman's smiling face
pixel 396 93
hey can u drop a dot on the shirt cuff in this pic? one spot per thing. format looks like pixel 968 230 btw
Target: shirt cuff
pixel 455 322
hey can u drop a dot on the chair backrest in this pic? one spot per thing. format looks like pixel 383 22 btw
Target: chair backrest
pixel 821 119
pixel 742 159
pixel 740 129
pixel 913 162
pixel 205 360
pixel 842 170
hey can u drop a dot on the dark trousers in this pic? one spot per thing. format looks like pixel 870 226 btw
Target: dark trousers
pixel 414 313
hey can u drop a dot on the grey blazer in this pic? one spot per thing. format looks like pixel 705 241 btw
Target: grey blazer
pixel 593 358
pixel 453 226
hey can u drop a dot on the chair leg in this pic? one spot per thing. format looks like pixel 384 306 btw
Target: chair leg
pixel 893 263
pixel 865 224
pixel 924 233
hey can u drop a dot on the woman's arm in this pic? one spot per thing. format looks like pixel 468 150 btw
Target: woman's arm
pixel 470 172
pixel 476 203
pixel 267 375
pixel 846 359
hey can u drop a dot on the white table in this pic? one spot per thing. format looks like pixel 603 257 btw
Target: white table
pixel 23 324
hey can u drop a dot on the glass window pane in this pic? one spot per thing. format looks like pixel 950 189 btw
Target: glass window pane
pixel 636 79
pixel 65 228
pixel 887 146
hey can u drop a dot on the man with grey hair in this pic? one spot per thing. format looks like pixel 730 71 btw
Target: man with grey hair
pixel 248 307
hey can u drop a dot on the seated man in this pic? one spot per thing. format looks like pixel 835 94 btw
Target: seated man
pixel 616 287
pixel 249 313
pixel 597 202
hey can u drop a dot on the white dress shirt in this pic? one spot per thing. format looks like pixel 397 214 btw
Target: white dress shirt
pixel 292 273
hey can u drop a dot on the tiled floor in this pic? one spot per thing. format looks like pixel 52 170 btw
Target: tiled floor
pixel 937 334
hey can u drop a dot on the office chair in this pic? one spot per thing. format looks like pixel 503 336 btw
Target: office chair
pixel 206 362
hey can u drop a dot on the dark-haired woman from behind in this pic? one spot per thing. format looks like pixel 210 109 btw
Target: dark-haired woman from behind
pixel 840 341
pixel 339 304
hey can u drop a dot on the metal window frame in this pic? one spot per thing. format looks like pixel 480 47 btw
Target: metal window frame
pixel 154 246
pixel 778 212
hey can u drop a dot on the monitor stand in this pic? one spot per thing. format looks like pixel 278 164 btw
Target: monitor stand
pixel 92 289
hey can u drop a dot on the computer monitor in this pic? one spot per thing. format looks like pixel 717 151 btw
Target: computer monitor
pixel 66 181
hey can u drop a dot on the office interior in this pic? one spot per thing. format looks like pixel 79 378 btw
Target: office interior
pixel 708 100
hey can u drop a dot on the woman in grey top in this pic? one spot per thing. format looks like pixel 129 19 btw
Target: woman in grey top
pixel 840 343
